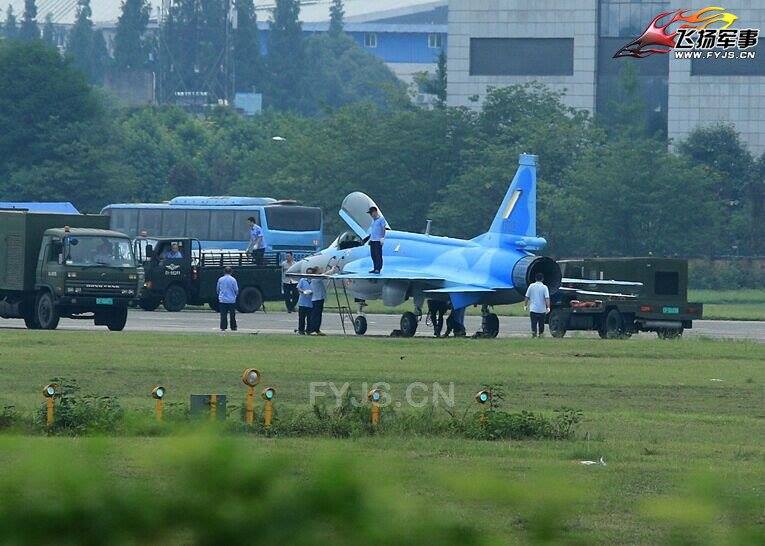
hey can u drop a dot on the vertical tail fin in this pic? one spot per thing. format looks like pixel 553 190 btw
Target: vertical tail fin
pixel 516 220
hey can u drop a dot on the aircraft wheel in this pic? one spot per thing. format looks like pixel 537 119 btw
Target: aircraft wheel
pixel 408 324
pixel 557 323
pixel 490 325
pixel 175 298
pixel 360 325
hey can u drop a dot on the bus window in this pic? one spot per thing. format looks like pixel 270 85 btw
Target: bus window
pixel 241 231
pixel 198 224
pixel 173 223
pixel 222 225
pixel 290 218
pixel 150 220
pixel 124 220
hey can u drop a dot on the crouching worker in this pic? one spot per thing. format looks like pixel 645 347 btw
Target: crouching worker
pixel 228 290
pixel 304 304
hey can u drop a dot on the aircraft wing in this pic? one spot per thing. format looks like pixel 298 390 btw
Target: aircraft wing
pixel 602 282
pixel 403 276
pixel 459 288
pixel 591 293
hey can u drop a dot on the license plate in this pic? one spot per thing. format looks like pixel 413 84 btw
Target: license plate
pixel 104 301
pixel 670 310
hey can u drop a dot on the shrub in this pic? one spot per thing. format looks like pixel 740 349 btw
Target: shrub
pixel 75 414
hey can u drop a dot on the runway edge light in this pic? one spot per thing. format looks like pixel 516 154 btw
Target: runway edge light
pixel 374 396
pixel 268 408
pixel 49 392
pixel 250 377
pixel 158 393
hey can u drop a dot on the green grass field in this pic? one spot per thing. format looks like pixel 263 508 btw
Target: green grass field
pixel 718 305
pixel 658 412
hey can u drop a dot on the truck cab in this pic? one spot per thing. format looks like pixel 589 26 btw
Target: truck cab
pixel 170 266
pixel 82 271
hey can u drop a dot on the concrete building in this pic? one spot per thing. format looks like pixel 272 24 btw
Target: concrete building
pixel 569 45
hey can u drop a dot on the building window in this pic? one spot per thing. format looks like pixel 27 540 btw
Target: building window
pixel 435 41
pixel 742 65
pixel 521 56
pixel 370 39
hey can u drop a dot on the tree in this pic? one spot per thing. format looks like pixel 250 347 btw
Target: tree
pixel 10 30
pixel 129 44
pixel 49 32
pixel 59 142
pixel 29 29
pixel 86 48
pixel 336 14
pixel 285 59
pixel 247 58
pixel 440 87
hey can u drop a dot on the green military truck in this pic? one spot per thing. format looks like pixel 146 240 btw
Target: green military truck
pixel 193 277
pixel 65 265
pixel 627 295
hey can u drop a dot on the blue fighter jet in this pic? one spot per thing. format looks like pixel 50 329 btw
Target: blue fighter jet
pixel 490 269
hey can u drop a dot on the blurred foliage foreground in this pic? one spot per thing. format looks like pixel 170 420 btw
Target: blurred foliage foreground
pixel 207 489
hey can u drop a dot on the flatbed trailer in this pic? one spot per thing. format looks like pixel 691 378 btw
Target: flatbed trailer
pixel 193 278
pixel 658 301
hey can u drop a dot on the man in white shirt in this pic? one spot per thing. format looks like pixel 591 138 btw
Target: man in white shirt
pixel 538 304
pixel 376 239
pixel 289 284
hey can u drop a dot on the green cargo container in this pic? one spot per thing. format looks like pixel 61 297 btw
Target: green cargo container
pixel 45 275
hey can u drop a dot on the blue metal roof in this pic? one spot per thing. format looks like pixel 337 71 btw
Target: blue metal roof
pixel 397 28
pixel 56 207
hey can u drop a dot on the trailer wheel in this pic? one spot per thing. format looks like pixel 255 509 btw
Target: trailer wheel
pixel 614 325
pixel 149 304
pixel 360 325
pixel 250 300
pixel 557 323
pixel 117 319
pixel 175 298
pixel 408 324
pixel 46 312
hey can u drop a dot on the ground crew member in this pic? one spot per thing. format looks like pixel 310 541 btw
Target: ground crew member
pixel 376 239
pixel 304 304
pixel 436 310
pixel 289 284
pixel 257 245
pixel 318 293
pixel 228 290
pixel 537 302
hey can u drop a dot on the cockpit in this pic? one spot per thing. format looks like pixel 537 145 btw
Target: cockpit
pixel 345 240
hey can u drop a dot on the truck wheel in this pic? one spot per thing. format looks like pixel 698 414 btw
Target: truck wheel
pixel 490 325
pixel 175 298
pixel 360 325
pixel 46 312
pixel 30 321
pixel 408 324
pixel 250 300
pixel 148 304
pixel 557 323
pixel 614 325
pixel 116 322
pixel 214 306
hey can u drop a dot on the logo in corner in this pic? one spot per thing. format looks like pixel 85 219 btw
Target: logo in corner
pixel 706 29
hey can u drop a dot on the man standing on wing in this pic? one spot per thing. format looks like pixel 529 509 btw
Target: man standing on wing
pixel 376 239
pixel 538 304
